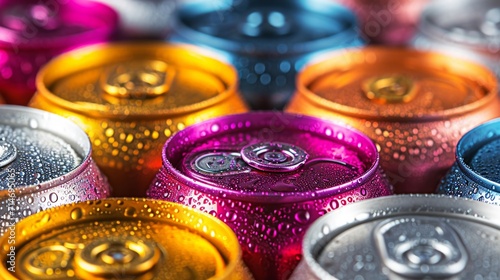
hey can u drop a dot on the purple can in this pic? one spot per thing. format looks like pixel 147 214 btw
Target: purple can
pixel 34 31
pixel 269 175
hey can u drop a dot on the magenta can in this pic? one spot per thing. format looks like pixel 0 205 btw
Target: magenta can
pixel 269 175
pixel 34 31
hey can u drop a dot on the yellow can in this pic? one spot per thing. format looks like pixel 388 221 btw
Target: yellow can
pixel 122 239
pixel 130 97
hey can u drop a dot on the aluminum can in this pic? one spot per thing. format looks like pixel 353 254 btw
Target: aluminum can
pixel 476 172
pixel 387 22
pixel 415 105
pixel 34 31
pixel 269 175
pixel 130 98
pixel 143 19
pixel 475 36
pixel 404 237
pixel 127 238
pixel 45 161
pixel 267 42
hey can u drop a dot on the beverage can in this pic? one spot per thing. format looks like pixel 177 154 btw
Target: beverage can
pixel 415 105
pixel 269 175
pixel 34 31
pixel 45 161
pixel 404 237
pixel 266 41
pixel 130 97
pixel 127 238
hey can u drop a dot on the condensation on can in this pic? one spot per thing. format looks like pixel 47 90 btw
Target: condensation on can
pixel 269 175
pixel 45 161
pixel 474 36
pixel 404 237
pixel 34 31
pixel 130 98
pixel 123 239
pixel 476 172
pixel 266 41
pixel 415 105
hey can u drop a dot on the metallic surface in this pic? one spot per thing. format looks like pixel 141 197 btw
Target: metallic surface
pixel 424 103
pixel 32 32
pixel 270 198
pixel 476 172
pixel 123 239
pixel 130 98
pixel 267 42
pixel 45 161
pixel 474 35
pixel 387 22
pixel 404 237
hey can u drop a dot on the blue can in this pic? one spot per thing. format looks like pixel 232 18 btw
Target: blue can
pixel 266 41
pixel 476 172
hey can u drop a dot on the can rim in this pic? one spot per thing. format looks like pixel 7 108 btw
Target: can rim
pixel 92 8
pixel 231 243
pixel 328 8
pixel 289 197
pixel 412 204
pixel 314 71
pixel 71 62
pixel 463 149
pixel 83 144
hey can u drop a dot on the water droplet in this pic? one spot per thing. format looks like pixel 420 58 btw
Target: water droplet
pixel 302 216
pixel 33 123
pixel 334 204
pixel 363 191
pixel 231 215
pixel 77 213
pixel 53 197
pixel 130 212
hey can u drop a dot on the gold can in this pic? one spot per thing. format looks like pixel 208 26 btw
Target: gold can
pixel 126 238
pixel 130 98
pixel 414 105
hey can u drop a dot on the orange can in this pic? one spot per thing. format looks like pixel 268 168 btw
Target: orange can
pixel 130 98
pixel 415 105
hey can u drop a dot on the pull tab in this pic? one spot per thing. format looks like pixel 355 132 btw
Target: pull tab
pixel 219 164
pixel 420 247
pixel 138 79
pixel 389 89
pixel 8 153
pixel 111 256
pixel 274 156
pixel 266 24
pixel 491 23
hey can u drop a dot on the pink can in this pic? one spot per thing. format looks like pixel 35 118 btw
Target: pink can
pixel 269 175
pixel 34 31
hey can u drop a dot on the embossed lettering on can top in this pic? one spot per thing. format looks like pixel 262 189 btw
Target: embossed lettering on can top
pixel 415 105
pixel 269 175
pixel 130 98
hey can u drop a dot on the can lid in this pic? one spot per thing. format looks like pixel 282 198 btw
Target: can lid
pixel 479 29
pixel 477 154
pixel 405 236
pixel 267 26
pixel 54 24
pixel 378 82
pixel 143 79
pixel 123 238
pixel 38 147
pixel 266 156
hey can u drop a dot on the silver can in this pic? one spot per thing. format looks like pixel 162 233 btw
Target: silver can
pixel 464 28
pixel 404 237
pixel 45 161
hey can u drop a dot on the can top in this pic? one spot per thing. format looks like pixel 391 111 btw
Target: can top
pixel 122 238
pixel 477 154
pixel 39 149
pixel 478 29
pixel 262 26
pixel 406 236
pixel 265 156
pixel 397 83
pixel 54 24
pixel 136 79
